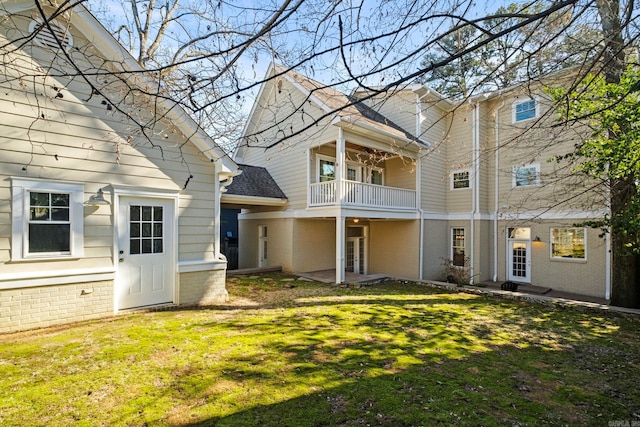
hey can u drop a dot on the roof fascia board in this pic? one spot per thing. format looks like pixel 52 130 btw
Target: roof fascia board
pixel 251 200
pixel 346 122
pixel 308 93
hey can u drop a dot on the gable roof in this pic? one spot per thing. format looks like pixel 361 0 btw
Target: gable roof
pixel 347 108
pixel 103 40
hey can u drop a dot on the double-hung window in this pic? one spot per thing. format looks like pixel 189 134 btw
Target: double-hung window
pixel 568 243
pixel 326 169
pixel 460 179
pixel 47 219
pixel 525 110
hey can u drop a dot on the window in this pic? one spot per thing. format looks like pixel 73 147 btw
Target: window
pixel 524 110
pixel 145 230
pixel 568 243
pixel 526 175
pixel 377 177
pixel 47 219
pixel 460 179
pixel 326 170
pixel 457 246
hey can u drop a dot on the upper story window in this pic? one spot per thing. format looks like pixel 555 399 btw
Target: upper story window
pixel 326 169
pixel 525 110
pixel 568 243
pixel 376 176
pixel 460 179
pixel 526 175
pixel 47 219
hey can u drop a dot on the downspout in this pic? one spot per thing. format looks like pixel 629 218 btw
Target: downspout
pixel 217 254
pixel 419 190
pixel 496 189
pixel 475 148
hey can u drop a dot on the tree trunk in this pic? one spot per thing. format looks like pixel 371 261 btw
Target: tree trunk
pixel 625 289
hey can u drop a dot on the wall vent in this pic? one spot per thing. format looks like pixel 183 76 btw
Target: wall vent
pixel 44 38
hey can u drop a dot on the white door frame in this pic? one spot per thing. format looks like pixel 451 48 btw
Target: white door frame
pixel 510 264
pixel 361 256
pixel 119 235
pixel 263 242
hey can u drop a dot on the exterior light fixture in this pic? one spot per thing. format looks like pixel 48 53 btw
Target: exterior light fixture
pixel 537 239
pixel 97 199
pixel 356 220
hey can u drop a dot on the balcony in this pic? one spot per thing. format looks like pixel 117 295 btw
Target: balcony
pixel 360 194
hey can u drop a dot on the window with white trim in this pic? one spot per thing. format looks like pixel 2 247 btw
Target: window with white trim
pixel 526 175
pixel 569 243
pixel 47 219
pixel 326 169
pixel 525 110
pixel 460 179
pixel 457 246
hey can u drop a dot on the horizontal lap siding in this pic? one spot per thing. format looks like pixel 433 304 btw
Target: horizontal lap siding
pixel 460 155
pixel 76 138
pixel 540 142
pixel 434 175
pixel 287 161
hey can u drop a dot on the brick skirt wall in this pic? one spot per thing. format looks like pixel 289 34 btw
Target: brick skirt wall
pixel 203 287
pixel 38 307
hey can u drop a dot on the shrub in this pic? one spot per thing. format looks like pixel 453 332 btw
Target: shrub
pixel 460 275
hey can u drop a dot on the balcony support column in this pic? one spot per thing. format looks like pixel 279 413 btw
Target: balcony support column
pixel 340 248
pixel 339 167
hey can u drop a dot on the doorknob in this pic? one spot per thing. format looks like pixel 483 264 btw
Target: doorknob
pixel 121 256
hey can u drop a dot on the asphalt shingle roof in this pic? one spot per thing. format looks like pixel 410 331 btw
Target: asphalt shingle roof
pixel 255 181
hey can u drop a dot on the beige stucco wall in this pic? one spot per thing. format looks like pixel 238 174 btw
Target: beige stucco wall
pixel 279 249
pixel 436 244
pixel 393 248
pixel 314 241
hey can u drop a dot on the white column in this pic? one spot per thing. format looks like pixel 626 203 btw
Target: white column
pixel 340 160
pixel 340 245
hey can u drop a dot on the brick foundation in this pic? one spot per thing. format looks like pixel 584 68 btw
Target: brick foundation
pixel 38 307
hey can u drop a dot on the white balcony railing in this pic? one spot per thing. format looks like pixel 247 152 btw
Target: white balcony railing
pixel 356 193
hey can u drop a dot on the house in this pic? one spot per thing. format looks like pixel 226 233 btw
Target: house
pixel 401 181
pixel 109 198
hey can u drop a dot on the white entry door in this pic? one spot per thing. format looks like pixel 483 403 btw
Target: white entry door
pixel 146 261
pixel 519 253
pixel 355 260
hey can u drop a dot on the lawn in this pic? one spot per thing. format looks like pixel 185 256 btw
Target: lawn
pixel 285 352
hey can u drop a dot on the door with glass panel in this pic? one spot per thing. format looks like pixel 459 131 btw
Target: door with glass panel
pixel 263 246
pixel 519 255
pixel 146 264
pixel 356 260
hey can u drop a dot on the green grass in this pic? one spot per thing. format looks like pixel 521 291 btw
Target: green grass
pixel 292 353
